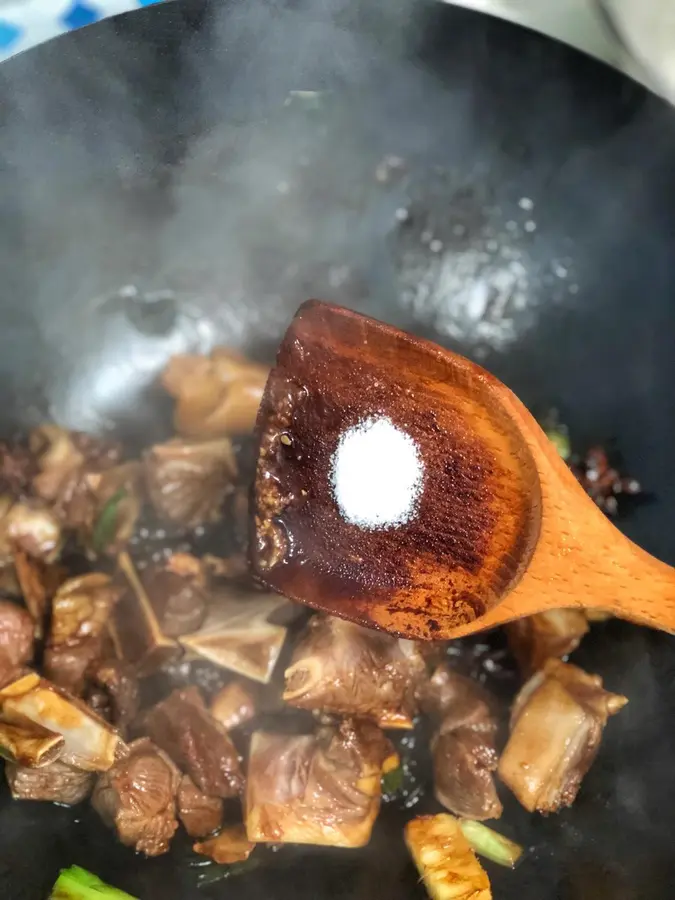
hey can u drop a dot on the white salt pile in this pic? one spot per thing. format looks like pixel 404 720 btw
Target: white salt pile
pixel 377 475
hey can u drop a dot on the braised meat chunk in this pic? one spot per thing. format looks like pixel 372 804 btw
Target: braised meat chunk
pixel 464 744
pixel 546 635
pixel 234 704
pixel 556 728
pixel 464 763
pixel 80 613
pixel 450 697
pixel 187 481
pixel 230 846
pixel 28 526
pixel 200 815
pixel 38 581
pixel 16 639
pixel 215 395
pixel 137 798
pixel 113 692
pixel 17 468
pixel 177 590
pixel 183 727
pixel 89 742
pixel 316 789
pixel 134 627
pixel 342 668
pixel 57 783
pixel 65 460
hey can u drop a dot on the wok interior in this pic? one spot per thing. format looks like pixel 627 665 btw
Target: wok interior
pixel 145 213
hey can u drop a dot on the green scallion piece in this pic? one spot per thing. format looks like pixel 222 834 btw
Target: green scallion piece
pixel 104 529
pixel 491 844
pixel 78 884
pixel 561 440
pixel 392 781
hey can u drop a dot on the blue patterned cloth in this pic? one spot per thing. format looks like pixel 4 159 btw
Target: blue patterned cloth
pixel 24 23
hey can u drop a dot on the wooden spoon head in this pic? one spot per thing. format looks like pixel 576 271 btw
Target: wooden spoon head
pixel 475 522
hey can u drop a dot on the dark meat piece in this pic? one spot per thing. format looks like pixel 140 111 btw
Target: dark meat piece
pixel 57 783
pixel 38 581
pixel 216 395
pixel 31 528
pixel 6 544
pixel 9 582
pixel 81 479
pixel 433 653
pixel 322 789
pixel 90 743
pixel 113 692
pixel 452 698
pixel 81 610
pixel 66 664
pixel 100 453
pixel 188 481
pixel 230 846
pixel 464 761
pixel 178 592
pixel 16 637
pixel 65 460
pixel 537 638
pixel 17 469
pixel 342 668
pixel 602 482
pixel 137 798
pixel 556 727
pixel 464 745
pixel 134 629
pixel 199 814
pixel 182 726
pixel 233 705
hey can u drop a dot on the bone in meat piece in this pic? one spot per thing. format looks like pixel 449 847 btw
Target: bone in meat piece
pixel 341 668
pixel 556 728
pixel 89 742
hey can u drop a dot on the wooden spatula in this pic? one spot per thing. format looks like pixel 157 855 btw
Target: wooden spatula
pixel 403 487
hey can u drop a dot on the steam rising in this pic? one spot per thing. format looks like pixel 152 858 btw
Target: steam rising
pixel 172 188
pixel 223 247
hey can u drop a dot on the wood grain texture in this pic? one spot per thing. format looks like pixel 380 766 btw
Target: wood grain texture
pixel 581 559
pixel 502 529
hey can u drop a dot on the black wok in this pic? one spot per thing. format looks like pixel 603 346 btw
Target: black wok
pixel 156 194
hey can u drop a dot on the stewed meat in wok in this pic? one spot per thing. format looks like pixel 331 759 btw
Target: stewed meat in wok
pixel 143 670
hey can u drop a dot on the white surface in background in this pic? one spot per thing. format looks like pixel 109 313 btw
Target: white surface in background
pixel 579 23
pixel 25 23
pixel 648 28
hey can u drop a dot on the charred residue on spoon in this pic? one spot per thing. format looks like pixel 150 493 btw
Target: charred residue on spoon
pixel 477 517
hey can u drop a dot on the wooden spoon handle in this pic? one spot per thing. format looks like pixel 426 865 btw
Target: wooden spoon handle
pixel 581 559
